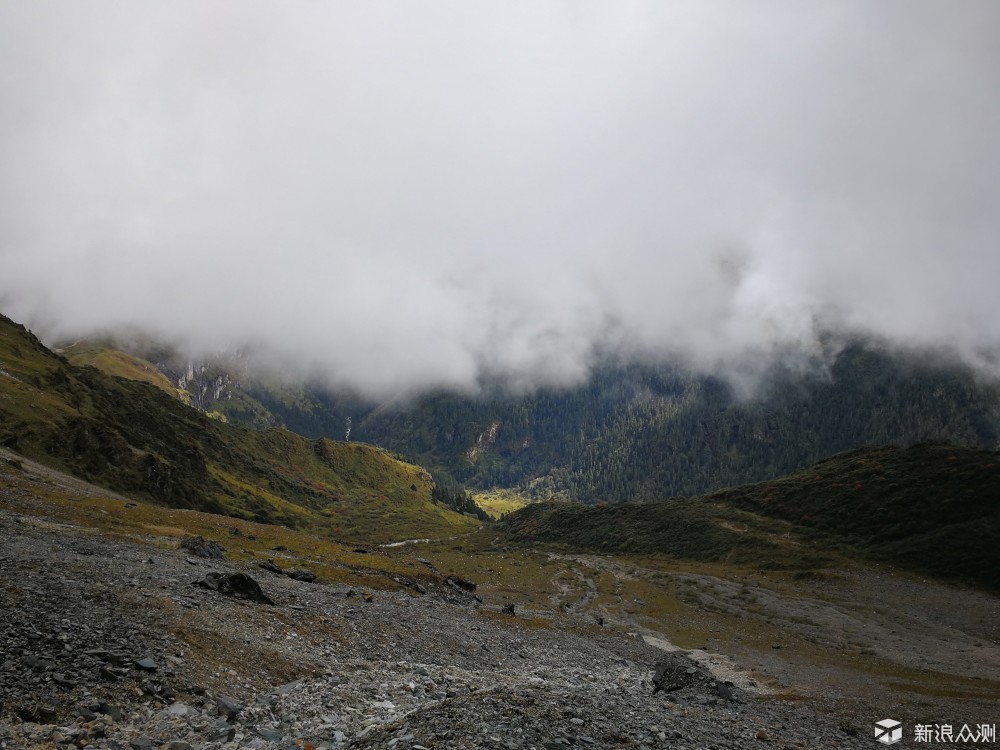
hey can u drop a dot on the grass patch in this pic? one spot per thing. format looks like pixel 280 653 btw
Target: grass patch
pixel 499 501
pixel 243 540
pixel 115 362
pixel 933 509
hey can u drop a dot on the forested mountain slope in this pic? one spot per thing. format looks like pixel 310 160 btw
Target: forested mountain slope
pixel 631 431
pixel 644 432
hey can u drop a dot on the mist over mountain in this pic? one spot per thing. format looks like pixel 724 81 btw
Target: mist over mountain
pixel 630 431
pixel 399 197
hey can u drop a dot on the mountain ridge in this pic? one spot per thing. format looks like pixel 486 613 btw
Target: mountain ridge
pixel 929 508
pixel 631 431
pixel 134 438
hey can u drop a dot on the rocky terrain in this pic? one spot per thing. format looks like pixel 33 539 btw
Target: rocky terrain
pixel 129 641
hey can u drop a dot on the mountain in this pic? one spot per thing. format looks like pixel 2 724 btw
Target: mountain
pixel 933 508
pixel 134 437
pixel 930 508
pixel 790 634
pixel 107 357
pixel 645 432
pixel 630 432
pixel 215 387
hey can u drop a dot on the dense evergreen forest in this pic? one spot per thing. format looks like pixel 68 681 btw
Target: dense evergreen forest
pixel 643 431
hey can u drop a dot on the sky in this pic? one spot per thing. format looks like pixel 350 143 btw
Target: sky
pixel 397 196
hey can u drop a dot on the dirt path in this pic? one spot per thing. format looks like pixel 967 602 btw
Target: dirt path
pixel 407 542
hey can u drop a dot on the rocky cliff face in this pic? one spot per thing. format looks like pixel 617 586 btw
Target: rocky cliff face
pixel 484 441
pixel 218 386
pixel 213 384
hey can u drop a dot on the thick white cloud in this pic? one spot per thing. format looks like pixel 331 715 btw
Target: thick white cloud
pixel 401 195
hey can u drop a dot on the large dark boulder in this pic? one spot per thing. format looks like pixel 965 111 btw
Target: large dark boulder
pixel 201 547
pixel 301 575
pixel 676 672
pixel 270 566
pixel 461 583
pixel 236 585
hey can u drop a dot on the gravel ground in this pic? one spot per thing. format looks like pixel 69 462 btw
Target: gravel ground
pixel 107 643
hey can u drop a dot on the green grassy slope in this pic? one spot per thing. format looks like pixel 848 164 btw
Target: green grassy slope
pixel 133 437
pixel 113 361
pixel 934 509
pixel 680 527
pixel 212 387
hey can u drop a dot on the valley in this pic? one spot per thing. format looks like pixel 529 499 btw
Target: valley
pixel 176 580
pixel 628 432
pixel 382 651
pixel 499 376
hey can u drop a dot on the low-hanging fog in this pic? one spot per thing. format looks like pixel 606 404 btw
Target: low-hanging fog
pixel 400 195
